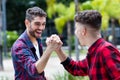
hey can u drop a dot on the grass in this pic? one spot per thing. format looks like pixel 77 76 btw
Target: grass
pixel 68 76
pixel 5 78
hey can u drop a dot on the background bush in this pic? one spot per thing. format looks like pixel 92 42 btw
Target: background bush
pixel 11 38
pixel 68 76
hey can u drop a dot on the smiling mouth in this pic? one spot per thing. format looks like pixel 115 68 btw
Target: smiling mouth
pixel 39 32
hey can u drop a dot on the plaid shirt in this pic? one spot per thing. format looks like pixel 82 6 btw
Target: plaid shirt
pixel 101 63
pixel 24 58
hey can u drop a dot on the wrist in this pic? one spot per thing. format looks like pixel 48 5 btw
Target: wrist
pixel 58 50
pixel 48 50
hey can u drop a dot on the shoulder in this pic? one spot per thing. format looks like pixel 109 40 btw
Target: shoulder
pixel 109 50
pixel 21 41
pixel 18 44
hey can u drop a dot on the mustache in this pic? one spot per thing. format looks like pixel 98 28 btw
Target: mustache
pixel 36 29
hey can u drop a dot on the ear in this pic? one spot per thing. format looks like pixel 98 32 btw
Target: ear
pixel 27 23
pixel 84 31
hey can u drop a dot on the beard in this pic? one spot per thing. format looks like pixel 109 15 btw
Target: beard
pixel 32 32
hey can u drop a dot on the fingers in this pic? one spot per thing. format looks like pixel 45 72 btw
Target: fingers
pixel 48 40
pixel 54 42
pixel 55 38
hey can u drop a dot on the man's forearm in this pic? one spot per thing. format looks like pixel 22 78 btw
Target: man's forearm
pixel 62 56
pixel 41 63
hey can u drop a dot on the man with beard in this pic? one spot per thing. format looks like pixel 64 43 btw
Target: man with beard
pixel 103 59
pixel 28 58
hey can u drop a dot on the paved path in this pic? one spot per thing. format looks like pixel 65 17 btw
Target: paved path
pixel 53 67
pixel 8 70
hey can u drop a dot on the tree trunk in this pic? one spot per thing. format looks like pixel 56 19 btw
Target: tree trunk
pixel 1 60
pixel 113 31
pixel 4 23
pixel 76 40
pixel 69 38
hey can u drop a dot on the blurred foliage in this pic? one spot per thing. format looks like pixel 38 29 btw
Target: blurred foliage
pixel 64 15
pixel 60 22
pixel 108 8
pixel 59 12
pixel 72 42
pixel 63 12
pixel 67 2
pixel 50 9
pixel 86 5
pixel 15 10
pixel 89 5
pixel 11 38
pixel 68 76
pixel 62 9
pixel 113 8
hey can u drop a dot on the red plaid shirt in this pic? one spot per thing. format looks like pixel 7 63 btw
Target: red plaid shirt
pixel 101 63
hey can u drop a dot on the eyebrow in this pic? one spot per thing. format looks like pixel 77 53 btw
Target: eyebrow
pixel 39 22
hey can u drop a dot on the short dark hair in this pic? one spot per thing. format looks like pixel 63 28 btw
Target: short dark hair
pixel 33 12
pixel 89 17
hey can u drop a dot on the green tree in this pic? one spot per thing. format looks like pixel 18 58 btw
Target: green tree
pixel 65 14
pixel 11 38
pixel 109 10
pixel 16 12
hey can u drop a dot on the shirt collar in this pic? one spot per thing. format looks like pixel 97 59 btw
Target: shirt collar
pixel 95 45
pixel 27 40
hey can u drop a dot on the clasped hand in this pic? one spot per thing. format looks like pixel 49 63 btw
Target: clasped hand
pixel 54 42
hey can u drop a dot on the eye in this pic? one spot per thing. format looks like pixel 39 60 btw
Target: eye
pixel 44 24
pixel 37 23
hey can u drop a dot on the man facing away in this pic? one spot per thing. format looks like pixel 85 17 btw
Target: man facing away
pixel 103 59
pixel 28 58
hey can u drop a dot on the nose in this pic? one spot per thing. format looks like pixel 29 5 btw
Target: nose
pixel 41 27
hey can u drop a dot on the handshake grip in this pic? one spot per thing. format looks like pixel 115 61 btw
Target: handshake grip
pixel 54 42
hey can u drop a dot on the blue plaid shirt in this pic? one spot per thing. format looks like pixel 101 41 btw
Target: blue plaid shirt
pixel 24 58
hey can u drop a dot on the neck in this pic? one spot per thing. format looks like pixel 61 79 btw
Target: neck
pixel 92 39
